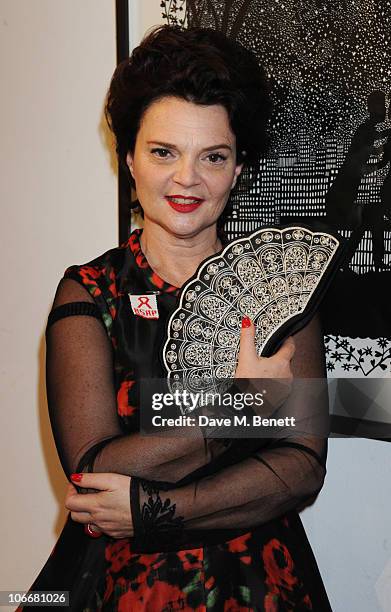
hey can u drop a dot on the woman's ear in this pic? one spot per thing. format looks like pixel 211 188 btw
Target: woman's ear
pixel 129 162
pixel 238 170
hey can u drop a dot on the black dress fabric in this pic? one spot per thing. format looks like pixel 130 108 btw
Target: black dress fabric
pixel 215 520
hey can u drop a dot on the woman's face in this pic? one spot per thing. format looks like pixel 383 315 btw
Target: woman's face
pixel 184 165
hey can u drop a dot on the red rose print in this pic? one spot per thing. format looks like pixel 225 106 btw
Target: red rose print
pixel 148 565
pixel 113 286
pixel 109 587
pixel 239 545
pixel 88 276
pixel 278 564
pixel 191 560
pixel 160 597
pixel 209 583
pixel 123 406
pixel 232 605
pixel 118 554
pixel 270 602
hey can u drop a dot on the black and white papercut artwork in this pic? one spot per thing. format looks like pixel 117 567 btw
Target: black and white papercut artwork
pixel 329 65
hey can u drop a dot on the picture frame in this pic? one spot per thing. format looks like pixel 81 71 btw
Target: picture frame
pixel 303 176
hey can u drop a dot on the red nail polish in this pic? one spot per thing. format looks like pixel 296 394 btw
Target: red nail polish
pixel 246 322
pixel 76 477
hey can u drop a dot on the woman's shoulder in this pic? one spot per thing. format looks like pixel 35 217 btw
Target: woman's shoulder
pixel 101 276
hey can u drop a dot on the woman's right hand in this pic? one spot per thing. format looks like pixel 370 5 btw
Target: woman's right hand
pixel 268 369
pixel 107 509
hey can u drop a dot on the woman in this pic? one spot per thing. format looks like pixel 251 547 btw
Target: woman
pixel 211 524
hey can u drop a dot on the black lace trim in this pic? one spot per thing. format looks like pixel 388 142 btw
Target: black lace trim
pixel 154 517
pixel 156 514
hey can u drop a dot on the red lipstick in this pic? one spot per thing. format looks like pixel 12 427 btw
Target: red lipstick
pixel 182 203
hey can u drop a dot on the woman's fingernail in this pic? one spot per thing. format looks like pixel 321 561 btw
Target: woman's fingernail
pixel 76 477
pixel 246 322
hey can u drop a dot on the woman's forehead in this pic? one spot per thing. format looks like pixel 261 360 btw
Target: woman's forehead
pixel 176 118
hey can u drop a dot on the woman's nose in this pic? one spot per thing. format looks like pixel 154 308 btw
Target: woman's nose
pixel 186 173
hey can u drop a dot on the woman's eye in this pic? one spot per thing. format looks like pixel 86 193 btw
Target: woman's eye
pixel 160 152
pixel 216 158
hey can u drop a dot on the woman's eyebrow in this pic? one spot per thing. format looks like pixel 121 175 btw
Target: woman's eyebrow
pixel 168 145
pixel 223 145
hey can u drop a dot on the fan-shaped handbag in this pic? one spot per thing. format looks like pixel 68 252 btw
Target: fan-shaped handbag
pixel 276 276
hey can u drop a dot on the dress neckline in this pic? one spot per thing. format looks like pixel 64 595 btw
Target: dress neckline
pixel 142 262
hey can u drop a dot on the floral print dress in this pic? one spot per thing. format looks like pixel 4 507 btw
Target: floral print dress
pixel 255 556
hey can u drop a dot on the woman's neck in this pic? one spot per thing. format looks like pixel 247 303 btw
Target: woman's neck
pixel 174 258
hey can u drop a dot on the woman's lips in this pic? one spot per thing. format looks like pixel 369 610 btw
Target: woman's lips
pixel 184 204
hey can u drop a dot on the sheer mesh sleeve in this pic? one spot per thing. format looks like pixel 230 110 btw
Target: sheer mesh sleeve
pixel 83 408
pixel 267 484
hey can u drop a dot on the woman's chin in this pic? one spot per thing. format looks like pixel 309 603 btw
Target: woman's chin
pixel 185 228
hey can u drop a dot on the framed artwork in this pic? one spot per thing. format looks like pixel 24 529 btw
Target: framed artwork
pixel 329 66
pixel 124 190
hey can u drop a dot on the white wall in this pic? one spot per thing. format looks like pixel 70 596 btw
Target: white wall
pixel 59 207
pixel 143 14
pixel 349 526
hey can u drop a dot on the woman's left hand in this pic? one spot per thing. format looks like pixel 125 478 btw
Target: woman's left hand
pixel 108 510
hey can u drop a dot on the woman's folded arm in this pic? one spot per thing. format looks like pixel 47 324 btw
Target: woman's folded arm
pixel 266 485
pixel 83 406
pixel 83 412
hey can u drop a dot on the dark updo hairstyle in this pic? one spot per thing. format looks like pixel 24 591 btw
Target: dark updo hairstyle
pixel 199 65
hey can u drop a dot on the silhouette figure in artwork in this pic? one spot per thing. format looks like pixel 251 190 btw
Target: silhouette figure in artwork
pixel 377 216
pixel 341 208
pixel 385 191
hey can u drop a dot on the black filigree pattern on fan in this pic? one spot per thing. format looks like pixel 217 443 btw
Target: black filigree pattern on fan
pixel 268 276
